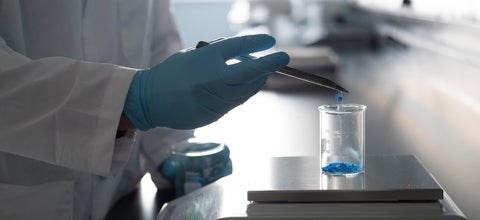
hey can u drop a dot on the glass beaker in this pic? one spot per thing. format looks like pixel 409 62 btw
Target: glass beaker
pixel 342 138
pixel 342 182
pixel 194 163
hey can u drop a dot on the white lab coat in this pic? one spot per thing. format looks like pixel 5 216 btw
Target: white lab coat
pixel 65 70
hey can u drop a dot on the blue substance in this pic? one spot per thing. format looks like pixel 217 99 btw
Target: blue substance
pixel 341 168
pixel 339 97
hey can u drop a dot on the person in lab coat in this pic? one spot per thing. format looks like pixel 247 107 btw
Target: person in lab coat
pixel 75 82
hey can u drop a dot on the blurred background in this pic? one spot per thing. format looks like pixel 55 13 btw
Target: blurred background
pixel 414 63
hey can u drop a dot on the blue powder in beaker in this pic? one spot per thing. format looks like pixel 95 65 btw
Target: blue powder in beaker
pixel 341 168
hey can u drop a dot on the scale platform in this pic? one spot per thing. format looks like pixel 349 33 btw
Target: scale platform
pixel 393 187
pixel 386 178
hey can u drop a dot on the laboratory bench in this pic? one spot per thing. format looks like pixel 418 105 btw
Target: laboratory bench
pixel 419 102
pixel 392 187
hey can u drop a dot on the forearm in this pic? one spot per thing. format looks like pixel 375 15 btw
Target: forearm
pixel 69 110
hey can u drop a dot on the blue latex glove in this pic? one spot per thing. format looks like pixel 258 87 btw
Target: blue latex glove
pixel 194 88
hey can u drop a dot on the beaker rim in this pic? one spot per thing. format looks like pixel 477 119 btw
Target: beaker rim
pixel 345 108
pixel 196 147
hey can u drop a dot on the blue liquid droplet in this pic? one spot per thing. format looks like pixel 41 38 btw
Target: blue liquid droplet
pixel 339 97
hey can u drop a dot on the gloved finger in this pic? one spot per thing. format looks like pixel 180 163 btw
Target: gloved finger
pixel 221 99
pixel 211 100
pixel 243 45
pixel 244 92
pixel 251 69
pixel 240 92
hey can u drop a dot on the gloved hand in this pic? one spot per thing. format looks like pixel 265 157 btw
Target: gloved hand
pixel 194 88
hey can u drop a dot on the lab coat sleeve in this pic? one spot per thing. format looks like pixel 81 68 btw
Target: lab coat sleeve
pixel 166 37
pixel 63 111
